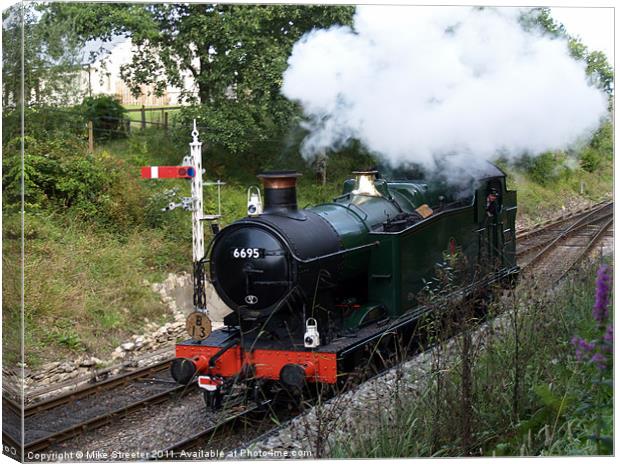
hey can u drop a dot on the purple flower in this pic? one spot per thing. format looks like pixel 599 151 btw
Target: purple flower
pixel 582 347
pixel 608 339
pixel 599 360
pixel 598 351
pixel 603 281
pixel 609 334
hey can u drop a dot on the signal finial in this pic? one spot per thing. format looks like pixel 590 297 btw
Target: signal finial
pixel 195 133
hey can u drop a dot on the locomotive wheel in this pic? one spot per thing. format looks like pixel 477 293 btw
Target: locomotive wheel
pixel 259 391
pixel 213 400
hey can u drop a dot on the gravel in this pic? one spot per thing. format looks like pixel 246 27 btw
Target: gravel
pixel 68 415
pixel 147 430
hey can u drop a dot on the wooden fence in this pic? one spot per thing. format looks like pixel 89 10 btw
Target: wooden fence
pixel 158 117
pixel 161 112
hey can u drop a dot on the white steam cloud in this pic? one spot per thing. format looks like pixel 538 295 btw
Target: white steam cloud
pixel 415 83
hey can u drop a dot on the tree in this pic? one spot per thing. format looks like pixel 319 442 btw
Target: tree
pixel 49 55
pixel 597 66
pixel 239 49
pixel 235 54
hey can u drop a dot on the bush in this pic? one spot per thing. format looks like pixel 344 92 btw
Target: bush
pixel 543 169
pixel 108 116
pixel 43 121
pixel 590 159
pixel 600 149
pixel 59 173
pixel 49 170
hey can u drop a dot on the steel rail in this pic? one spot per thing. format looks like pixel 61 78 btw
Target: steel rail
pixel 540 232
pixel 88 391
pixel 565 233
pixel 105 385
pixel 580 224
pixel 99 421
pixel 591 243
pixel 256 411
pixel 549 223
pixel 98 375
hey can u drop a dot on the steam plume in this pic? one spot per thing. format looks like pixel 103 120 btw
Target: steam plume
pixel 417 83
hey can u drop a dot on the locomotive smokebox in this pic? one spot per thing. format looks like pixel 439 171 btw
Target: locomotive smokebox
pixel 280 192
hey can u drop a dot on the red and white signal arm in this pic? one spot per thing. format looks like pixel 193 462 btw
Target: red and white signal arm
pixel 168 172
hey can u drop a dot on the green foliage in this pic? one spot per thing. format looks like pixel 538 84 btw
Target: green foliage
pixel 603 140
pixel 58 173
pixel 232 127
pixel 529 395
pixel 543 169
pixel 542 17
pixel 590 159
pixel 597 67
pixel 108 115
pixel 600 149
pixel 236 54
pixel 601 71
pixel 41 121
pixel 48 53
pixel 47 173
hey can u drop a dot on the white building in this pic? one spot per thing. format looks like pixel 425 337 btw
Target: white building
pixel 104 77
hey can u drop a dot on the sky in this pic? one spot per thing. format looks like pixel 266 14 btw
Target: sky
pixel 595 27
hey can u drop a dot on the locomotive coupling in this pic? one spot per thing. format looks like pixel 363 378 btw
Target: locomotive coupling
pixel 183 370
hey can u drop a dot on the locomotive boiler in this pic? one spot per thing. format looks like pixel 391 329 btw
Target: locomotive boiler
pixel 314 289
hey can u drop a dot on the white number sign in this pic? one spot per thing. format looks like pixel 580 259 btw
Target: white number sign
pixel 246 253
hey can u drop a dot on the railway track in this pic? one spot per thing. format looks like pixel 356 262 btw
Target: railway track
pixel 234 425
pixel 539 236
pixel 551 249
pixel 580 231
pixel 58 419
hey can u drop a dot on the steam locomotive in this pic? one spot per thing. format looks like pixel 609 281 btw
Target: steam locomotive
pixel 314 290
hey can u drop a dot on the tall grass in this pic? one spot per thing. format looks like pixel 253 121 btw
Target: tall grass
pixel 87 289
pixel 528 394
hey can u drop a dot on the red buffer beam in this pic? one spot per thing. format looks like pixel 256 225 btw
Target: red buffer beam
pixel 168 172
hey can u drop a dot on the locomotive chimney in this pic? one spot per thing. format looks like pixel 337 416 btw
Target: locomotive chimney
pixel 280 192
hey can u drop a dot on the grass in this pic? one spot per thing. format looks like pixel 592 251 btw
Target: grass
pixel 529 395
pixel 11 293
pixel 87 289
pixel 537 202
pixel 152 117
